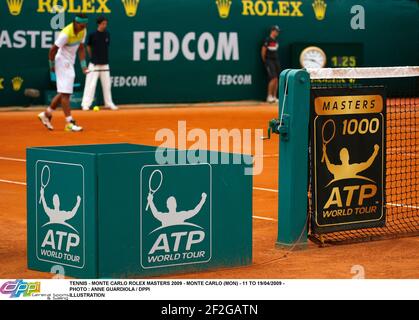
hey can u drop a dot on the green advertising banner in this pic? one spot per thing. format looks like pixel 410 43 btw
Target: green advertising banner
pixel 166 51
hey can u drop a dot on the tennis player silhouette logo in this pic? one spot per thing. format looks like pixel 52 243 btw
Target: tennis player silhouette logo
pixel 345 170
pixel 55 214
pixel 172 217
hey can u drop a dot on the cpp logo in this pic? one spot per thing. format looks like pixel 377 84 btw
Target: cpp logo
pixel 19 287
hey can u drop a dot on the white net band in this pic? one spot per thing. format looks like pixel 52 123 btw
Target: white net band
pixel 363 73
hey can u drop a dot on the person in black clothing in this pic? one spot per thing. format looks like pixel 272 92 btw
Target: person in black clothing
pixel 98 48
pixel 271 61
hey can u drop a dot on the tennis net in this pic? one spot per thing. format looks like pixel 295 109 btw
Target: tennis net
pixel 402 148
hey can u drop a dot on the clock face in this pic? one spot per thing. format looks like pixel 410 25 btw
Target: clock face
pixel 313 57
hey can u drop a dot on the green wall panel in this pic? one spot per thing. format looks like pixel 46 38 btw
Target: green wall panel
pixel 391 27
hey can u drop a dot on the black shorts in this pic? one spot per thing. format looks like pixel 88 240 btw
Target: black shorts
pixel 272 68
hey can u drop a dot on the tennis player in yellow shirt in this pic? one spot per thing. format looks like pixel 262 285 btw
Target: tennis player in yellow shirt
pixel 62 57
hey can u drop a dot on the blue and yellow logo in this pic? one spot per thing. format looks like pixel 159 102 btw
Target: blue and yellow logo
pixel 19 288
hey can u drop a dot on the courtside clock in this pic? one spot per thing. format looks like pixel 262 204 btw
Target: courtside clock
pixel 313 57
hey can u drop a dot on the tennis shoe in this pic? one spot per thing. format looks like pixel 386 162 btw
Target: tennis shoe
pixel 112 107
pixel 270 99
pixel 46 120
pixel 73 127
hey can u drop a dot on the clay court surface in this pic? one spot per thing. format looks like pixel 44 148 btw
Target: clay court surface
pixel 397 258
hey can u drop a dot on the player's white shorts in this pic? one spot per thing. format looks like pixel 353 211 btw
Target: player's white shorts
pixel 65 73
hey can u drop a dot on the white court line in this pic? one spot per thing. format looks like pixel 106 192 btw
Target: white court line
pixel 402 205
pixel 265 189
pixel 388 204
pixel 13 182
pixel 24 184
pixel 12 159
pixel 266 156
pixel 256 188
pixel 264 218
pixel 255 156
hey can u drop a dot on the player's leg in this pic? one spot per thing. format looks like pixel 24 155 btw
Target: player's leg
pixel 271 90
pixel 56 101
pixel 71 123
pixel 46 116
pixel 65 83
pixel 271 85
pixel 105 79
pixel 275 89
pixel 65 103
pixel 89 88
pixel 277 73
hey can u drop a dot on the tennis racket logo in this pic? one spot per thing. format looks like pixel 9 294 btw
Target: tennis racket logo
pixel 45 177
pixel 171 217
pixel 328 133
pixel 153 188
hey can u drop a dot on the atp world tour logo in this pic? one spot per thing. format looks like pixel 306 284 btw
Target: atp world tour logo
pixel 348 144
pixel 60 213
pixel 175 215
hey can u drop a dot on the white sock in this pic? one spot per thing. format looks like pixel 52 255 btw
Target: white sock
pixel 50 110
pixel 69 119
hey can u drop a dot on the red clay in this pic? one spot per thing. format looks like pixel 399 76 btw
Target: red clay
pixel 18 130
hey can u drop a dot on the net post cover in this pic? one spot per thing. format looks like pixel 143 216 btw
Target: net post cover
pixel 293 162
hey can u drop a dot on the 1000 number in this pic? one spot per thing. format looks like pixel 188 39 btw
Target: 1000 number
pixel 362 127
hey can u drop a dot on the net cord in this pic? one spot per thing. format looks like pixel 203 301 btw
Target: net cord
pixel 283 102
pixel 363 73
